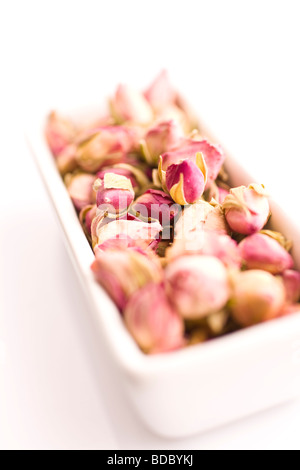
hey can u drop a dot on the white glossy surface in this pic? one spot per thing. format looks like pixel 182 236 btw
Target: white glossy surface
pixel 51 398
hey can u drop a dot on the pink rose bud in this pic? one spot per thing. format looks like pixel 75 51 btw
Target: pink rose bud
pixel 66 160
pixel 188 150
pixel 98 222
pixel 122 272
pixel 186 181
pixel 106 227
pixel 213 155
pixel 119 231
pixel 160 93
pixel 126 242
pixel 222 247
pixel 130 106
pixel 291 281
pixel 114 193
pixel 80 189
pixel 174 113
pixel 123 243
pixel 152 321
pixel 59 133
pixel 160 139
pixel 136 172
pixel 208 243
pixel 197 285
pixel 86 217
pixel 260 251
pixel 247 209
pixel 157 205
pixel 143 233
pixel 197 218
pixel 104 146
pixel 257 297
pixel 119 171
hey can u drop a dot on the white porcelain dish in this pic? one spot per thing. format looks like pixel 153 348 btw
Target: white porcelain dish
pixel 200 387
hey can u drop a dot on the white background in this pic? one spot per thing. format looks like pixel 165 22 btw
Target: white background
pixel 238 63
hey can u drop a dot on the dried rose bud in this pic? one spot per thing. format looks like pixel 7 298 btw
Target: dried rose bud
pixel 136 173
pixel 104 146
pixel 123 243
pixel 66 160
pixel 197 285
pixel 259 251
pixel 98 222
pixel 208 243
pixel 86 216
pixel 188 150
pixel 153 322
pixel 291 281
pixel 257 297
pixel 143 233
pixel 114 193
pixel 197 218
pixel 160 139
pixel 121 172
pixel 122 272
pixel 157 205
pixel 160 93
pixel 186 181
pixel 175 113
pixel 80 189
pixel 247 209
pixel 59 133
pixel 222 247
pixel 118 231
pixel 280 238
pixel 130 106
pixel 126 242
pixel 213 155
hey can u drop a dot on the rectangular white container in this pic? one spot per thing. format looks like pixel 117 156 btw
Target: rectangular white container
pixel 200 387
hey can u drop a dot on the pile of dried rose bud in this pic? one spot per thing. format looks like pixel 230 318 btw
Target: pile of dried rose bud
pixel 184 256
